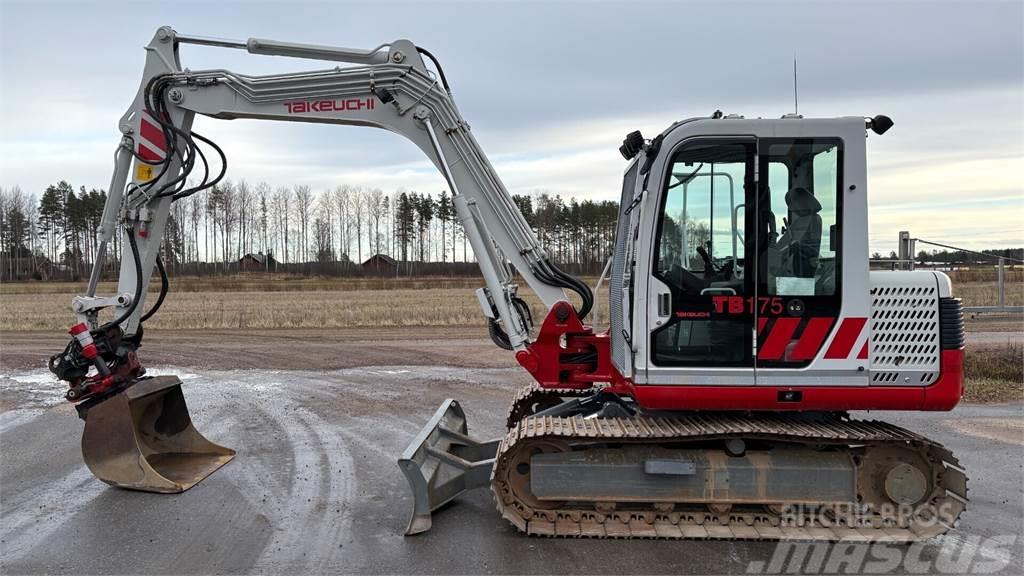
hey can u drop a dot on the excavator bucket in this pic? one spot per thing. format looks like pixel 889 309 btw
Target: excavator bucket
pixel 443 462
pixel 142 438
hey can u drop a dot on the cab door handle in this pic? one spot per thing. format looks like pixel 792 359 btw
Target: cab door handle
pixel 664 303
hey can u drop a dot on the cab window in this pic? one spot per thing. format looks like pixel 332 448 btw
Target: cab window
pixel 799 221
pixel 700 243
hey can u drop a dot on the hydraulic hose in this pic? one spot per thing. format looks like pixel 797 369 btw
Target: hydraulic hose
pixel 586 295
pixel 220 176
pixel 550 274
pixel 138 286
pixel 440 71
pixel 164 286
pixel 499 336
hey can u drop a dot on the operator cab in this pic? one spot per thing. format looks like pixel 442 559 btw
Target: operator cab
pixel 737 235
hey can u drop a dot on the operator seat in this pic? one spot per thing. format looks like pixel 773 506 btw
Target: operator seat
pixel 801 241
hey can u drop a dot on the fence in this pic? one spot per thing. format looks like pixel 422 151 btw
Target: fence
pixel 905 261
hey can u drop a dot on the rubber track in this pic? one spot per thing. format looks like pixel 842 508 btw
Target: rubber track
pixel 522 404
pixel 949 481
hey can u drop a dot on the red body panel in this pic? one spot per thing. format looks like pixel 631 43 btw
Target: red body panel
pixel 561 336
pixel 554 361
pixel 942 395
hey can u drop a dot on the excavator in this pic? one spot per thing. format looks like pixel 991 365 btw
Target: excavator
pixel 744 323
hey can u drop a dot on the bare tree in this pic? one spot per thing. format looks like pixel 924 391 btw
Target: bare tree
pixel 282 200
pixel 229 217
pixel 357 201
pixel 375 206
pixel 303 209
pixel 17 226
pixel 245 217
pixel 263 194
pixel 325 213
pixel 323 251
pixel 212 219
pixel 195 212
pixel 340 197
pixel 386 210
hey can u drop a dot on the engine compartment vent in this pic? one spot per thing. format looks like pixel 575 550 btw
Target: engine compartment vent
pixel 905 337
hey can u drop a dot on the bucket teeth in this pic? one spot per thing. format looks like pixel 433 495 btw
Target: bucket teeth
pixel 142 438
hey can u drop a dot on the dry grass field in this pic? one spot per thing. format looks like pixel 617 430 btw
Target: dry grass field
pixel 979 287
pixel 995 373
pixel 241 303
pixel 986 294
pixel 245 309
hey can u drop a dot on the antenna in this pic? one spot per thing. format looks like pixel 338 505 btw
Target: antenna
pixel 796 102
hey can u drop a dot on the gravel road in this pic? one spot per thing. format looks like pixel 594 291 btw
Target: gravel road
pixel 315 488
pixel 336 348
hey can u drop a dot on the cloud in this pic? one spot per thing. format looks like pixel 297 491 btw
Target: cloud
pixel 551 89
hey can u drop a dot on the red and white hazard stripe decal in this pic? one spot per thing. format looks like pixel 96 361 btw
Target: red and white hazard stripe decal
pixel 810 342
pixel 151 141
pixel 774 345
pixel 847 335
pixel 777 342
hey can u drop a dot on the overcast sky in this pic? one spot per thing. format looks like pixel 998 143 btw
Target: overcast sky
pixel 550 89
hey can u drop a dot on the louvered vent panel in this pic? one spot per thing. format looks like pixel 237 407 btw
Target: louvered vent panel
pixel 905 342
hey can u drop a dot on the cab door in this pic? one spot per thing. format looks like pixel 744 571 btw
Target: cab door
pixel 702 281
pixel 799 208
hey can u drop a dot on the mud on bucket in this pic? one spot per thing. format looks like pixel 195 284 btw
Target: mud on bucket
pixel 142 438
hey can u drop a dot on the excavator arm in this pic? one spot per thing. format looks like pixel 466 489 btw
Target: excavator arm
pixel 138 433
pixel 387 87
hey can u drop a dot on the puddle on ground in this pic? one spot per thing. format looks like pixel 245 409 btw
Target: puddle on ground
pixel 40 389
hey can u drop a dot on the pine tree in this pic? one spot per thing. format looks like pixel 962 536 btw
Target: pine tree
pixel 405 220
pixel 51 211
pixel 424 214
pixel 445 213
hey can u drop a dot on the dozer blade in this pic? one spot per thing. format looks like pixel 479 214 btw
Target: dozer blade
pixel 443 462
pixel 142 438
